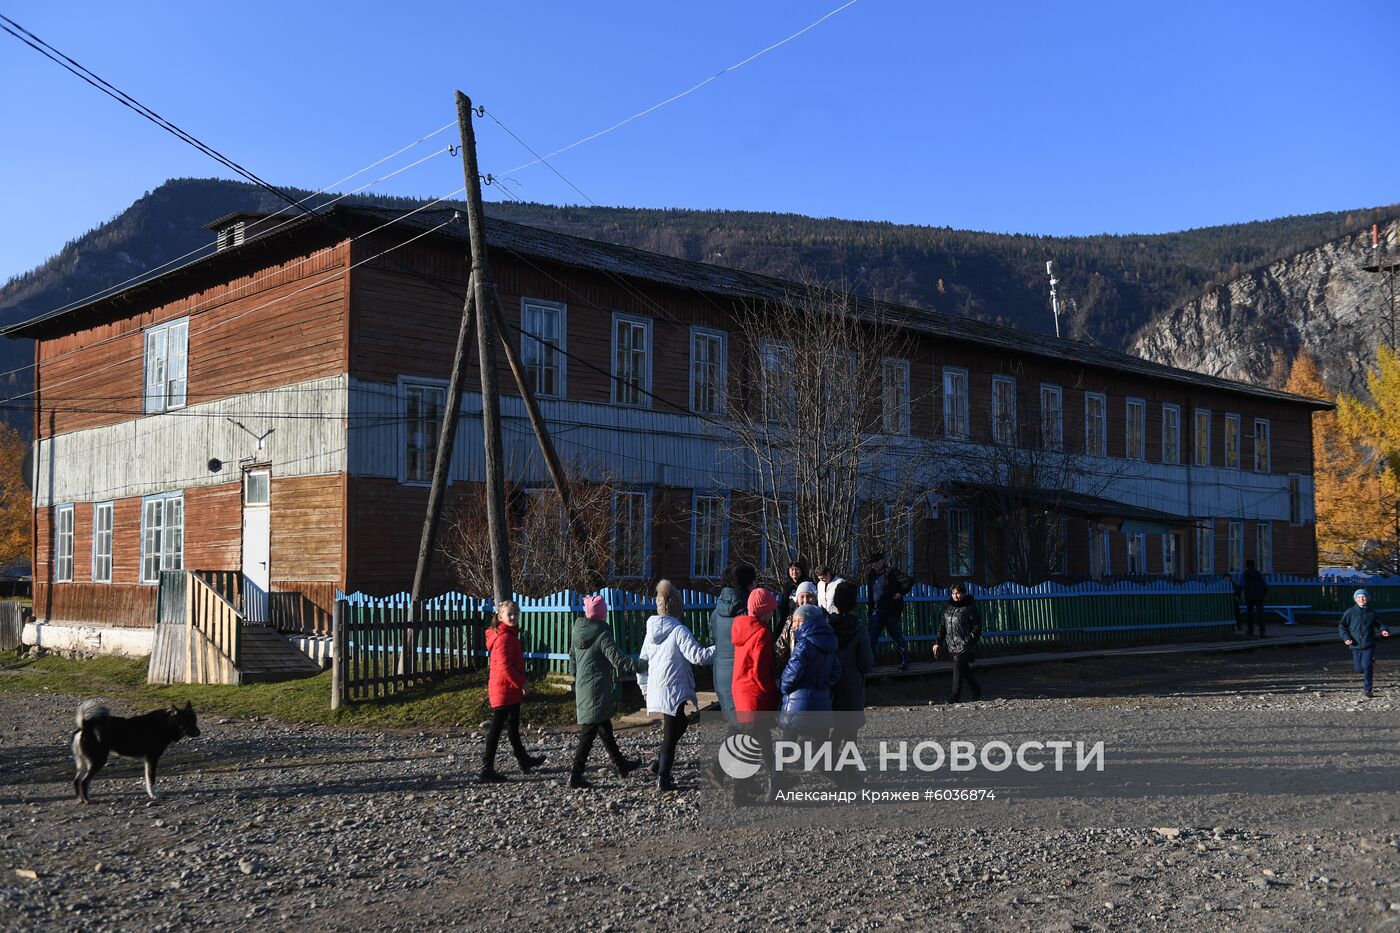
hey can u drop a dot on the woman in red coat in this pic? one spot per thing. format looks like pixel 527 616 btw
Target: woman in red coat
pixel 755 685
pixel 755 680
pixel 505 688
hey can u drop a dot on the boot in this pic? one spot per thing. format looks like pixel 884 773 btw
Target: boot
pixel 903 659
pixel 626 766
pixel 715 775
pixel 491 776
pixel 654 765
pixel 663 774
pixel 577 782
pixel 530 762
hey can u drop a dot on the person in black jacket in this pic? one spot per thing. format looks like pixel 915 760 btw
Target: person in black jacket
pixel 959 631
pixel 885 589
pixel 797 575
pixel 1253 588
pixel 1358 630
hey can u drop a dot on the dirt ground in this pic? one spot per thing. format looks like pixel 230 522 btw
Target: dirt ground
pixel 320 828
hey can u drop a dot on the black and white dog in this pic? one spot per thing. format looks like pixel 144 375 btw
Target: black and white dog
pixel 147 736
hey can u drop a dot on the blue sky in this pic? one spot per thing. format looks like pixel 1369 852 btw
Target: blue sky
pixel 1055 118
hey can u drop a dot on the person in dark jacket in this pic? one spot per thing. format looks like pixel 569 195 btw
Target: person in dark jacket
pixel 959 631
pixel 732 601
pixel 857 661
pixel 505 688
pixel 809 675
pixel 1253 588
pixel 1358 630
pixel 594 656
pixel 797 575
pixel 885 588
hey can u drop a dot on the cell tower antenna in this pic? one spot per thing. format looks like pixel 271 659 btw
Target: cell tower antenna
pixel 1054 301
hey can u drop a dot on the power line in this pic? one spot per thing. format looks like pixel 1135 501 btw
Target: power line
pixel 688 91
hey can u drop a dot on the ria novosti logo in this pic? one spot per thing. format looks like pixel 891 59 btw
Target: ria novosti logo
pixel 741 756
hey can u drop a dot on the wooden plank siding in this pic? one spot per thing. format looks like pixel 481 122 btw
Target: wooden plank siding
pixel 278 324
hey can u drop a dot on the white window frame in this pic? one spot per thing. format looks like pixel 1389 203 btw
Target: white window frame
pixel 643 399
pixel 956 425
pixel 1199 457
pixel 1092 433
pixel 959 523
pixel 167 505
pixel 1234 548
pixel 101 559
pixel 1052 426
pixel 696 571
pixel 1100 552
pixel 1171 443
pixel 1135 546
pixel 1295 499
pixel 720 366
pixel 894 403
pixel 1232 457
pixel 1268 441
pixel 1264 546
pixel 1170 558
pixel 1004 422
pixel 63 536
pixel 406 385
pixel 1205 548
pixel 265 498
pixel 645 570
pixel 1135 425
pixel 165 373
pixel 535 354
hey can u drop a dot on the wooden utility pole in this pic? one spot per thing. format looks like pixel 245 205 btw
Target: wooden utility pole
pixel 483 289
pixel 482 294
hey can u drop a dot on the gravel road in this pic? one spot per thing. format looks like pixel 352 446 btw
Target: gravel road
pixel 330 829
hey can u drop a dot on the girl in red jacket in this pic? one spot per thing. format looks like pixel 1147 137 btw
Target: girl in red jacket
pixel 505 688
pixel 755 686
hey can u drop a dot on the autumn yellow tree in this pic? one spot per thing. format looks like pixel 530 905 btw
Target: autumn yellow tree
pixel 15 507
pixel 1354 470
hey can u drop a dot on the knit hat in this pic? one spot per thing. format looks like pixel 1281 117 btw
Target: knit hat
pixel 1361 593
pixel 806 586
pixel 808 613
pixel 594 607
pixel 762 603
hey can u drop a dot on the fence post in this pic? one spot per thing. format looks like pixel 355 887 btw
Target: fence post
pixel 338 641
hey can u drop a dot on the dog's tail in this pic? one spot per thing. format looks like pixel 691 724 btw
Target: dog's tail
pixel 92 711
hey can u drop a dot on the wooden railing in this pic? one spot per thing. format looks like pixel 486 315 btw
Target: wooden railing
pixel 227 583
pixel 215 618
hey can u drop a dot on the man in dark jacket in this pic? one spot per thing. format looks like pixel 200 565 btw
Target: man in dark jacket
pixel 1253 588
pixel 1358 630
pixel 885 589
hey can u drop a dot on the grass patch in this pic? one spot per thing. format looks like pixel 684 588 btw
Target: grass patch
pixel 454 702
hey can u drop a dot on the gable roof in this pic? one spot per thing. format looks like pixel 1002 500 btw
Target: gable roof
pixel 735 284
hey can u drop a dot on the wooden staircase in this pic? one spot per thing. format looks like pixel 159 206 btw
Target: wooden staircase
pixel 201 638
pixel 265 656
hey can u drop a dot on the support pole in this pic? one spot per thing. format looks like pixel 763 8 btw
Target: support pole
pixel 532 408
pixel 483 288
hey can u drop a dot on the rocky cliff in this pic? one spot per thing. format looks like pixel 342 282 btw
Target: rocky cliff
pixel 1321 300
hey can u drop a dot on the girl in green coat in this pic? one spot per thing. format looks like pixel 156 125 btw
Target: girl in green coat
pixel 595 656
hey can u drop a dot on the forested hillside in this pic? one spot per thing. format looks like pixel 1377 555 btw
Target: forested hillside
pixel 1112 285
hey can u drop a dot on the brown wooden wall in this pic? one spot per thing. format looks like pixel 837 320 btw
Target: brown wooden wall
pixel 281 322
pixel 306 554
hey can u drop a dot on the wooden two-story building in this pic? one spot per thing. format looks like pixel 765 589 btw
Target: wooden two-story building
pixel 273 407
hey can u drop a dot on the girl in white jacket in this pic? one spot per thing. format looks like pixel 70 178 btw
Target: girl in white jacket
pixel 669 650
